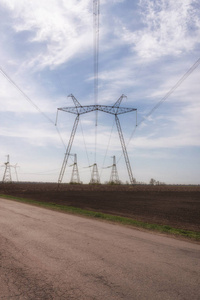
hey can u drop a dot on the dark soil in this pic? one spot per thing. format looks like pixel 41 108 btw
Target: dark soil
pixel 177 206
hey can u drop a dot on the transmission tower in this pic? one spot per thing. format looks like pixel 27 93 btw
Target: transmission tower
pixel 15 167
pixel 114 178
pixel 75 174
pixel 95 179
pixel 78 110
pixel 7 173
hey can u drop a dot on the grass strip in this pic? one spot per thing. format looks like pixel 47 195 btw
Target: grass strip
pixel 195 235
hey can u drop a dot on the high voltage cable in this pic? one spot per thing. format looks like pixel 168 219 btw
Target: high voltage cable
pixel 60 137
pixel 96 10
pixel 26 97
pixel 107 148
pixel 85 144
pixel 31 102
pixel 194 66
pixel 42 173
pixel 183 78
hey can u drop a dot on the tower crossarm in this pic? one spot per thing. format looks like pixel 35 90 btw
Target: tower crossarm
pixel 79 110
pixel 115 110
pixel 104 108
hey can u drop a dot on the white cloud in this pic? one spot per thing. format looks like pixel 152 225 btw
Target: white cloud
pixel 170 28
pixel 63 29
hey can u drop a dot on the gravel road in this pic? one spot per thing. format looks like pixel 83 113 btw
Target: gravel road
pixel 50 255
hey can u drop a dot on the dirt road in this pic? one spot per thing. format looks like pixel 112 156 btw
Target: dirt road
pixel 51 255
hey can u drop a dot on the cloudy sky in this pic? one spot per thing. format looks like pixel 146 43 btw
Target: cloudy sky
pixel 46 49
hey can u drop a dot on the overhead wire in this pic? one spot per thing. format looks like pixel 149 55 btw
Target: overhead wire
pixel 26 97
pixel 179 82
pixel 185 76
pixel 96 12
pixel 42 173
pixel 85 145
pixel 31 102
pixel 58 131
pixel 107 148
pixel 38 174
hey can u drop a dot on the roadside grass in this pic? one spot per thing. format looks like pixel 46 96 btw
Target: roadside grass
pixel 195 235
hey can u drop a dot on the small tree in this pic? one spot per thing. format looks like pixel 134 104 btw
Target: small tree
pixel 152 181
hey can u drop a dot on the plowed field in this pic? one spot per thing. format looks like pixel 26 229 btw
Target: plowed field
pixel 177 206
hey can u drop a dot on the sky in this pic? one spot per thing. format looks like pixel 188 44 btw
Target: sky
pixel 145 47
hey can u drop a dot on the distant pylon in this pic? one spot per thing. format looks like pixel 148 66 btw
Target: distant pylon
pixel 15 167
pixel 75 178
pixel 95 175
pixel 7 172
pixel 114 178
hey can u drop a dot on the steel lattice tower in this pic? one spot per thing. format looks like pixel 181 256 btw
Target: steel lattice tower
pixel 78 110
pixel 114 178
pixel 75 178
pixel 15 167
pixel 95 179
pixel 7 173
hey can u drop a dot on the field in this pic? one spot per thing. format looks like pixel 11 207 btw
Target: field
pixel 174 205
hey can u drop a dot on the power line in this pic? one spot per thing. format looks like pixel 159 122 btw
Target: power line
pixel 96 12
pixel 31 102
pixel 48 172
pixel 85 145
pixel 183 78
pixel 195 65
pixel 60 137
pixel 25 96
pixel 107 148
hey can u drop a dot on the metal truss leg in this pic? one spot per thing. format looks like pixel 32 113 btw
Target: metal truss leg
pixel 132 180
pixel 75 174
pixel 67 153
pixel 114 178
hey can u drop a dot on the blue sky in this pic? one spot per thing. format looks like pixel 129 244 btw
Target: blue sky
pixel 46 48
